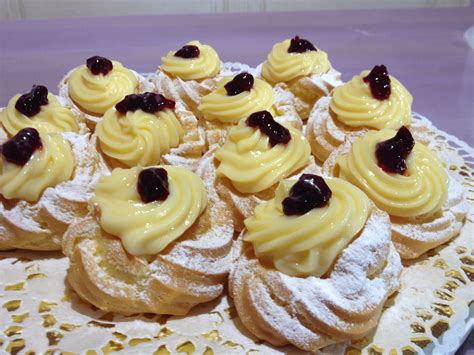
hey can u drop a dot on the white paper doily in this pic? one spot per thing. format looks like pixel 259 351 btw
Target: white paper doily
pixel 431 313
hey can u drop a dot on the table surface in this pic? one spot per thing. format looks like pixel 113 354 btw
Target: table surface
pixel 425 49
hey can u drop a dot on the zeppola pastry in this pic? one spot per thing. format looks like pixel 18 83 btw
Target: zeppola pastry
pixel 93 88
pixel 157 240
pixel 188 74
pixel 370 101
pixel 404 178
pixel 46 180
pixel 257 154
pixel 298 66
pixel 316 265
pixel 238 97
pixel 41 110
pixel 143 129
pixel 293 193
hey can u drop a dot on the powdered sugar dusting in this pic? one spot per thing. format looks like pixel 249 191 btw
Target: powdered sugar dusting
pixel 189 271
pixel 414 236
pixel 421 282
pixel 89 167
pixel 189 152
pixel 188 92
pixel 46 220
pixel 322 131
pixel 243 205
pixel 327 81
pixel 307 90
pixel 91 120
pixel 205 247
pixel 285 104
pixel 364 275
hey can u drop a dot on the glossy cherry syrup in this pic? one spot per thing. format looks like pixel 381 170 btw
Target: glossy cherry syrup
pixel 264 121
pixel 30 103
pixel 392 154
pixel 310 191
pixel 300 45
pixel 188 52
pixel 152 102
pixel 19 149
pixel 152 185
pixel 379 82
pixel 148 102
pixel 99 65
pixel 240 83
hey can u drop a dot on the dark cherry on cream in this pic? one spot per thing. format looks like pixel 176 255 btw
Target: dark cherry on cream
pixel 152 185
pixel 30 103
pixel 99 65
pixel 300 45
pixel 148 102
pixel 264 121
pixel 240 83
pixel 188 52
pixel 19 149
pixel 130 102
pixel 152 102
pixel 310 191
pixel 379 82
pixel 392 154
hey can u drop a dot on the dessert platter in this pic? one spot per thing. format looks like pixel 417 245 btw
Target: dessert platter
pixel 214 208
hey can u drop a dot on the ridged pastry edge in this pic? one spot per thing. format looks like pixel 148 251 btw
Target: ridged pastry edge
pixel 191 270
pixel 91 120
pixel 274 307
pixel 413 237
pixel 40 225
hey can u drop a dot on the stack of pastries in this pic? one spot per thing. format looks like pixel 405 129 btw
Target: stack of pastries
pixel 302 192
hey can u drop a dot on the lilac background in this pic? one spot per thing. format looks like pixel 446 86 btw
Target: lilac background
pixel 423 48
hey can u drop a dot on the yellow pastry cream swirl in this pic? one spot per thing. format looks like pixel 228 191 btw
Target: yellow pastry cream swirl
pixel 147 228
pixel 252 164
pixel 95 94
pixel 230 109
pixel 52 118
pixel 282 66
pixel 49 165
pixel 354 105
pixel 308 244
pixel 138 138
pixel 206 65
pixel 421 191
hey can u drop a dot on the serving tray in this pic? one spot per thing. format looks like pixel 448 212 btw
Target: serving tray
pixel 432 312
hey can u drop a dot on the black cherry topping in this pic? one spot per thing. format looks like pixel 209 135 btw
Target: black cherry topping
pixel 152 185
pixel 187 52
pixel 30 103
pixel 130 102
pixel 264 121
pixel 300 45
pixel 99 65
pixel 391 154
pixel 241 82
pixel 379 82
pixel 310 191
pixel 148 102
pixel 19 149
pixel 152 102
